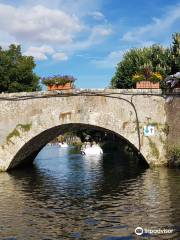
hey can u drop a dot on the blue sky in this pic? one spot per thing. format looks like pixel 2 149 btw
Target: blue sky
pixel 85 38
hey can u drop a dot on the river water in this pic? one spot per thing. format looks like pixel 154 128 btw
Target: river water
pixel 68 196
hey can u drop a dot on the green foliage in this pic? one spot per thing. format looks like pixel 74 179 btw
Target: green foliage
pixel 164 61
pixel 16 71
pixel 173 155
pixel 25 127
pixel 14 133
pixel 175 52
pixel 154 149
pixel 62 80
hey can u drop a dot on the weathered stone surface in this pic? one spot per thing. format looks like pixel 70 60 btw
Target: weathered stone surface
pixel 173 119
pixel 28 123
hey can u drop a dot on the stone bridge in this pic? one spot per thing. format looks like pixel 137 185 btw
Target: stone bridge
pixel 28 121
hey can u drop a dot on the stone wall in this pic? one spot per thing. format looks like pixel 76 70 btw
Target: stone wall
pixel 173 120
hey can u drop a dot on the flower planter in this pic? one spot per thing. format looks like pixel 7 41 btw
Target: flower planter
pixel 67 86
pixel 147 85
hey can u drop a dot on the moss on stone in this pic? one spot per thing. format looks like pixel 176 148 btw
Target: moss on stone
pixel 154 149
pixel 25 127
pixel 165 129
pixel 173 155
pixel 14 133
pixel 162 140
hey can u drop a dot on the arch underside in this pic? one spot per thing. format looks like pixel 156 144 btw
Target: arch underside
pixel 30 150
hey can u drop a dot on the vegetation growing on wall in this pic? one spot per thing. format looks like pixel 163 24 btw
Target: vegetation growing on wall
pixel 173 155
pixel 16 131
pixel 25 127
pixel 154 149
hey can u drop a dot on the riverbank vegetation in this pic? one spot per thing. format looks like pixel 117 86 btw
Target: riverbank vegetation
pixel 161 61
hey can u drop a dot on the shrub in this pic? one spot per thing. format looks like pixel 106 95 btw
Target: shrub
pixel 173 154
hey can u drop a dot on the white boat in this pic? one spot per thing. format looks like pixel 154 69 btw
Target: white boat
pixel 92 151
pixel 63 145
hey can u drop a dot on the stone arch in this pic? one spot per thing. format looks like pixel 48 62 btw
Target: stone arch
pixel 26 117
pixel 27 153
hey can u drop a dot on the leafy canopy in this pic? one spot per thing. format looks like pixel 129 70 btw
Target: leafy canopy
pixel 159 59
pixel 16 71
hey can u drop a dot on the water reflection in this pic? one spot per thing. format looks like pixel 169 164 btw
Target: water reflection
pixel 68 196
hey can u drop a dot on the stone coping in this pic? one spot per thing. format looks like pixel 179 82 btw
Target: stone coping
pixel 91 90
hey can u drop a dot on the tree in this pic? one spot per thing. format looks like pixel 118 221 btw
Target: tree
pixel 175 52
pixel 163 60
pixel 16 71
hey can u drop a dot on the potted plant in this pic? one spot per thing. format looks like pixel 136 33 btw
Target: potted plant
pixel 58 82
pixel 147 79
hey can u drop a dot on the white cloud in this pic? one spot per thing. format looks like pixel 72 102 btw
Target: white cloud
pixel 158 27
pixel 102 31
pixel 43 52
pixel 60 56
pixel 6 39
pixel 39 24
pixel 96 36
pixel 111 60
pixel 39 53
pixel 97 15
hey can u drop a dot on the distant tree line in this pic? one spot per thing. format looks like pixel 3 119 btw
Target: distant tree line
pixel 16 71
pixel 166 61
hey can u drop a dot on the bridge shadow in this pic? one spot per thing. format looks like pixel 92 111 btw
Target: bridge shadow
pixel 111 177
pixel 26 155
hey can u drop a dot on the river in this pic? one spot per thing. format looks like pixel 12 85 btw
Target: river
pixel 69 196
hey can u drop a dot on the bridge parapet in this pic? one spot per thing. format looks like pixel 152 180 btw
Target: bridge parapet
pixel 86 90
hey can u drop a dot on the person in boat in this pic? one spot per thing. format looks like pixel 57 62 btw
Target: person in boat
pixel 83 147
pixel 88 145
pixel 63 144
pixel 96 147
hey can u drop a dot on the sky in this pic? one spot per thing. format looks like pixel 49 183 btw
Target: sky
pixel 85 38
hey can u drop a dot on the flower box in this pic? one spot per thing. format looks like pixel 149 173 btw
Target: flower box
pixel 147 85
pixel 66 86
pixel 59 82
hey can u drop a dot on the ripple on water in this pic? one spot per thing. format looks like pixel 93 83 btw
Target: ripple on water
pixel 68 197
